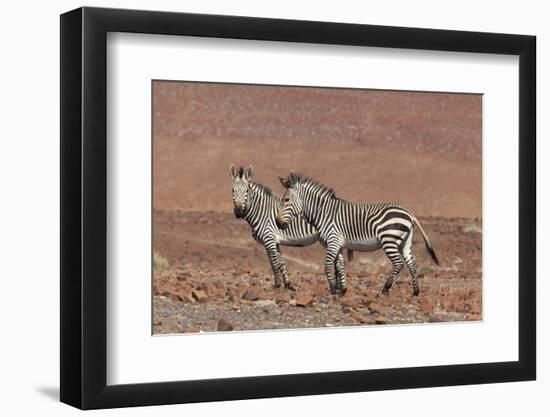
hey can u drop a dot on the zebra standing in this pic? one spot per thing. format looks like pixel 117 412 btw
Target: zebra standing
pixel 259 206
pixel 363 227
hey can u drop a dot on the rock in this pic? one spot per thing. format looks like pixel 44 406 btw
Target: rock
pixel 319 290
pixel 363 319
pixel 204 287
pixel 427 308
pixel 186 298
pixel 282 297
pixel 200 296
pixel 347 310
pixel 183 275
pixel 375 307
pixel 381 320
pixel 224 326
pixel 249 295
pixel 304 301
pixel 192 330
pixel 175 297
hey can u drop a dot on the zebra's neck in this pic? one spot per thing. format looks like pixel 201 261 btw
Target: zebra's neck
pixel 260 201
pixel 315 203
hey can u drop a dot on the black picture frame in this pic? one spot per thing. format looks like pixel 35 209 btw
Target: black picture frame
pixel 84 207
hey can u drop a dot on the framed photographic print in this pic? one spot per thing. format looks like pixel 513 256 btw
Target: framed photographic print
pixel 257 208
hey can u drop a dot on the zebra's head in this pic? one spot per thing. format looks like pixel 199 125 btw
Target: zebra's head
pixel 241 184
pixel 292 203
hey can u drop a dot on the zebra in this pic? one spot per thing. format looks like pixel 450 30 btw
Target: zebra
pixel 361 227
pixel 257 204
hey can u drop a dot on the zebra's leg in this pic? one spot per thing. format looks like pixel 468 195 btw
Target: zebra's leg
pixel 340 274
pixel 330 262
pixel 410 261
pixel 392 252
pixel 274 260
pixel 283 271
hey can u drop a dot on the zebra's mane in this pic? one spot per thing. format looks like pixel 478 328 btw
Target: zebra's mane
pixel 295 179
pixel 262 188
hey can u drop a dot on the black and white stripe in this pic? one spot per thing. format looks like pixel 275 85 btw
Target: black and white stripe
pixel 362 227
pixel 258 205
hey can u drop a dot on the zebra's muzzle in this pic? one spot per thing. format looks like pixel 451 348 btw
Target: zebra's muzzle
pixel 239 212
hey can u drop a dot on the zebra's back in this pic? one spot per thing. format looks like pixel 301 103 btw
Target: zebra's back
pixel 367 226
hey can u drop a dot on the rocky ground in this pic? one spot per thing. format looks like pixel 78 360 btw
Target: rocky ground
pixel 423 150
pixel 239 294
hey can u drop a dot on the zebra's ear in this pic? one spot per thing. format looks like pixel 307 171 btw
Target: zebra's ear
pixel 284 182
pixel 291 177
pixel 248 172
pixel 233 171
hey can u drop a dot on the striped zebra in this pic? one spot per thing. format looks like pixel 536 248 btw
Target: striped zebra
pixel 361 227
pixel 258 205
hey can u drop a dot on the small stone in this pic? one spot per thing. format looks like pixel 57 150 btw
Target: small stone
pixel 200 296
pixel 204 287
pixel 250 295
pixel 347 310
pixel 320 290
pixel 427 308
pixel 304 301
pixel 362 319
pixel 375 307
pixel 224 326
pixel 192 330
pixel 381 320
pixel 175 297
pixel 282 297
pixel 183 275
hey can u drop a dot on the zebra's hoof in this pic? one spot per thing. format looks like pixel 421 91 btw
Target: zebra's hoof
pixel 333 290
pixel 290 287
pixel 385 290
pixel 416 291
pixel 277 285
pixel 343 291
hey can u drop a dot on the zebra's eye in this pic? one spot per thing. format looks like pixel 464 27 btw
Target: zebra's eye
pixel 286 199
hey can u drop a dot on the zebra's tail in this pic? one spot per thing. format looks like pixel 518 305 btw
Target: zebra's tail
pixel 350 255
pixel 431 250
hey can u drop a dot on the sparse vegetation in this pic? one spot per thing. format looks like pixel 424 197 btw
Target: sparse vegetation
pixel 159 261
pixel 472 229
